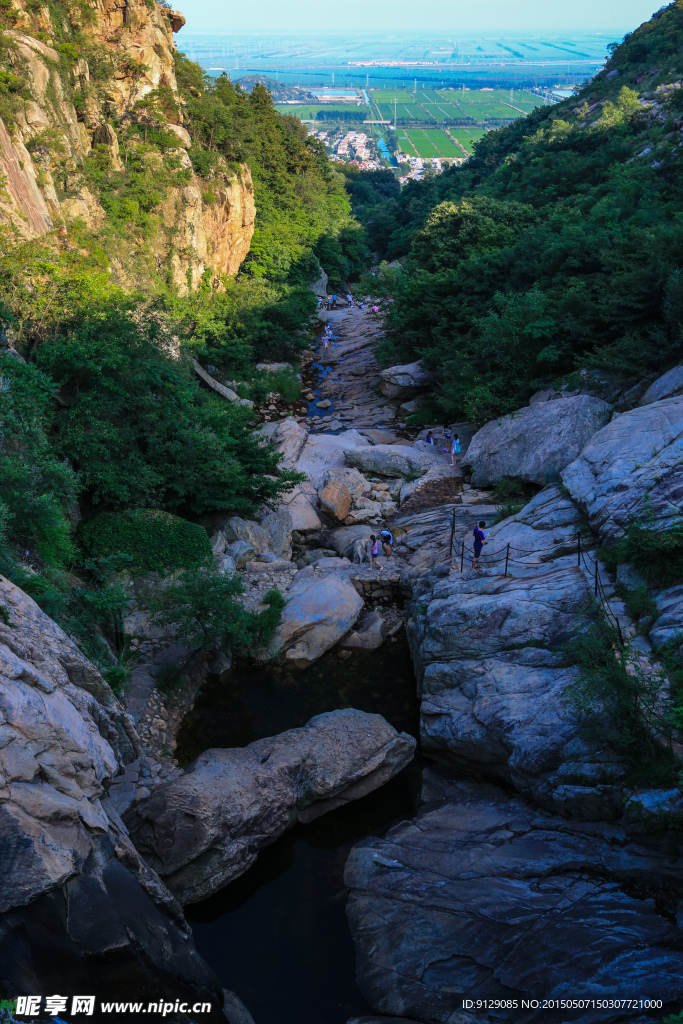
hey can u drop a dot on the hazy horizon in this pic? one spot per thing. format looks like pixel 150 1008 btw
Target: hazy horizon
pixel 614 17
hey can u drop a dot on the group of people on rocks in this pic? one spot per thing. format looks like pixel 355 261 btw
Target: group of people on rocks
pixel 330 303
pixel 451 442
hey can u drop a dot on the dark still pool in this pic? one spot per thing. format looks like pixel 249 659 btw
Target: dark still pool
pixel 278 935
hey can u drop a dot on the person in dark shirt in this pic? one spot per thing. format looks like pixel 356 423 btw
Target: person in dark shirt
pixel 479 541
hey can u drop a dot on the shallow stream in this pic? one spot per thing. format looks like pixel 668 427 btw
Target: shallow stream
pixel 278 935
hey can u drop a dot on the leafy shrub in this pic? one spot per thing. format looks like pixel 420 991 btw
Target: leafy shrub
pixel 282 382
pixel 621 705
pixel 38 488
pixel 140 429
pixel 201 606
pixel 154 540
pixel 655 552
pixel 638 601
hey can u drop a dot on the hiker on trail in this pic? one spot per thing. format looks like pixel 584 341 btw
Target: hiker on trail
pixel 429 439
pixel 375 309
pixel 456 449
pixel 447 437
pixel 362 305
pixel 373 552
pixel 387 542
pixel 334 299
pixel 329 303
pixel 479 541
pixel 349 299
pixel 326 342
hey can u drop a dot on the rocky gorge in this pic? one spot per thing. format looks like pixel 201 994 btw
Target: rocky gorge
pixel 529 826
pixel 467 768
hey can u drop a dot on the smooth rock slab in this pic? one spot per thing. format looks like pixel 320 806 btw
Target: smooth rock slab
pixel 484 898
pixel 318 613
pixel 668 386
pixel 206 828
pixel 391 460
pixel 536 443
pixel 638 453
pixel 469 616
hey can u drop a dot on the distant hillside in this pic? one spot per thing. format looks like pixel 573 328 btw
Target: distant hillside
pixel 558 247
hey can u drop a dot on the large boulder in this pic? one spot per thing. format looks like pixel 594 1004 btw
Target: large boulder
pixel 391 460
pixel 288 436
pixel 323 452
pixel 536 443
pixel 75 896
pixel 369 634
pixel 335 500
pixel 484 898
pixel 273 533
pixel 633 465
pixel 318 613
pixel 404 381
pixel 300 503
pixel 206 828
pixel 354 481
pixel 344 539
pixel 670 385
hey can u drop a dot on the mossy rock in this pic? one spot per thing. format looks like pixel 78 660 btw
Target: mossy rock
pixel 154 540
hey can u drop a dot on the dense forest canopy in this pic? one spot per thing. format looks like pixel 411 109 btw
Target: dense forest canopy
pixel 557 248
pixel 106 416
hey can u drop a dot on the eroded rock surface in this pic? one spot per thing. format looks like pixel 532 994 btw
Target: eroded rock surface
pixel 482 897
pixel 391 460
pixel 74 892
pixel 208 827
pixel 638 453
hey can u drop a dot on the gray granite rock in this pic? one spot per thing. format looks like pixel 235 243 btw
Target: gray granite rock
pixel 484 898
pixel 204 829
pixel 669 385
pixel 639 453
pixel 536 443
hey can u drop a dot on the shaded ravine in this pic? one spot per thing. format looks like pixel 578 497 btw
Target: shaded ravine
pixel 278 936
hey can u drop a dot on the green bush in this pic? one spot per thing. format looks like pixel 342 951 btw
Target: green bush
pixel 142 432
pixel 202 607
pixel 656 552
pixel 638 601
pixel 38 487
pixel 282 382
pixel 154 540
pixel 622 706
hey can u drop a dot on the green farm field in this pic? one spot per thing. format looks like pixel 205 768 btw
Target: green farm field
pixel 467 137
pixel 308 111
pixel 445 106
pixel 431 142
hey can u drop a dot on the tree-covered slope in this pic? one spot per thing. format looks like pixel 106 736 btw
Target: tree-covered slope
pixel 558 247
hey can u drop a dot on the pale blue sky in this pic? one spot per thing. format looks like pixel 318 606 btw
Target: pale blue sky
pixel 225 16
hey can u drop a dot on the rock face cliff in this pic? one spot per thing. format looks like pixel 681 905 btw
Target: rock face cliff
pixel 81 83
pixel 74 893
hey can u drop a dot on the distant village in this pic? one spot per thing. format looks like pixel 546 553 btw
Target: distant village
pixel 359 148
